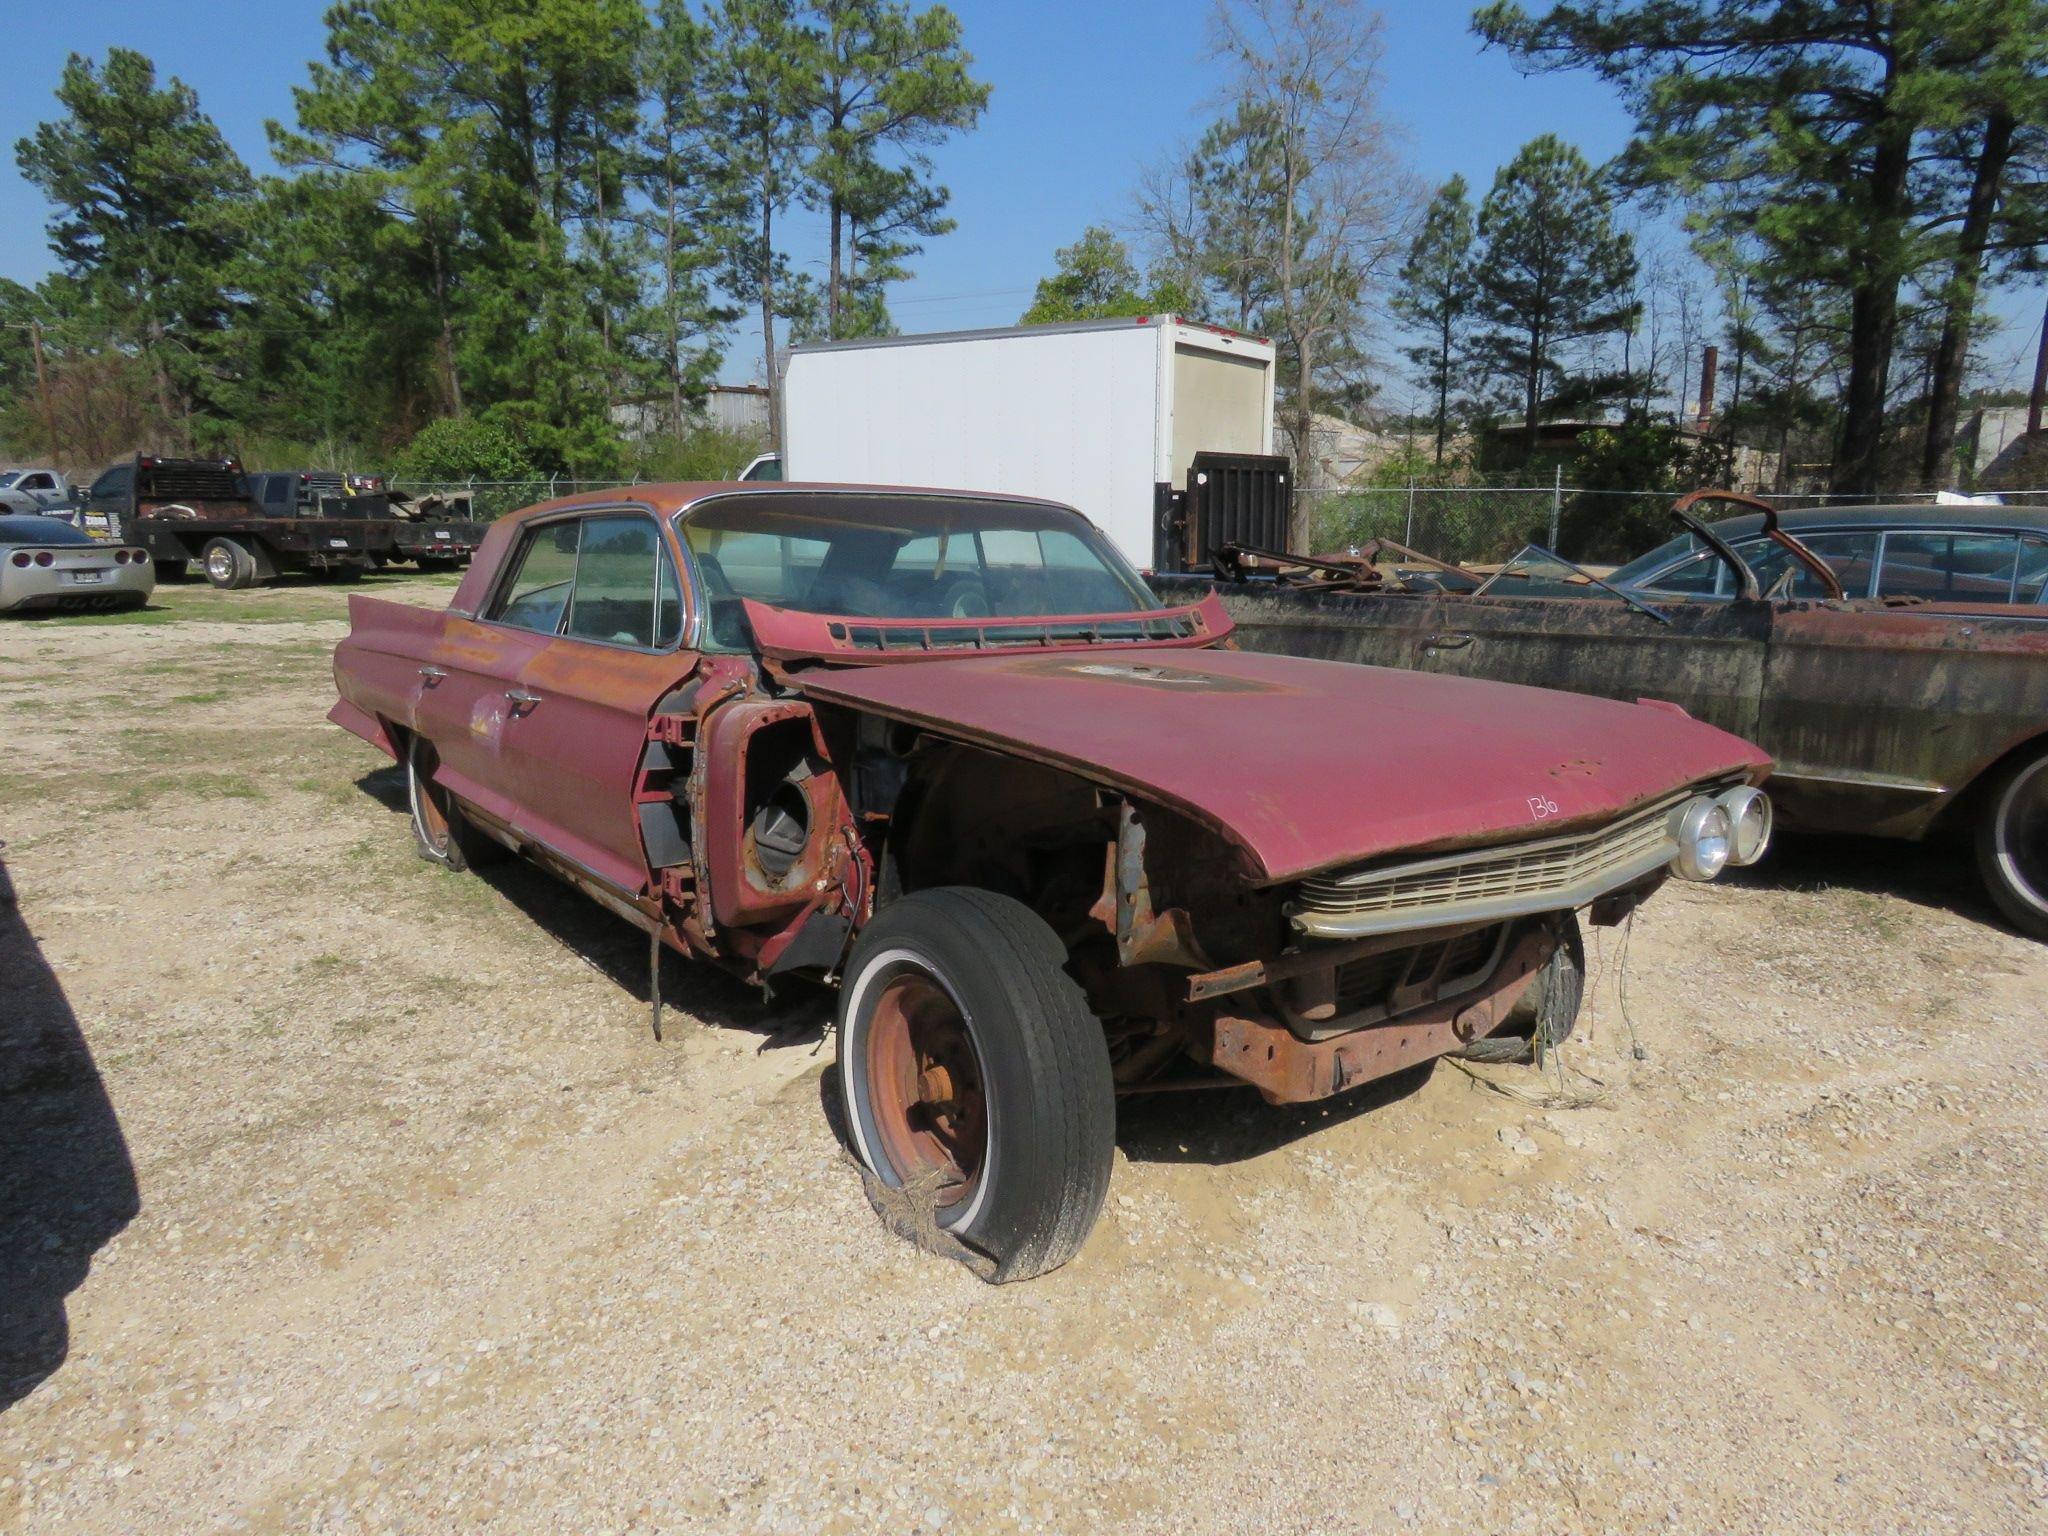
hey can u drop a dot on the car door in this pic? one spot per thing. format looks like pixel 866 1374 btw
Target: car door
pixel 40 486
pixel 106 504
pixel 1877 717
pixel 469 696
pixel 575 741
pixel 1705 656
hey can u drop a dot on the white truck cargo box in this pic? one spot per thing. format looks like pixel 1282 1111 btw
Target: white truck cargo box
pixel 1105 415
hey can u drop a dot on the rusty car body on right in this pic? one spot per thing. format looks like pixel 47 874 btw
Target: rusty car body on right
pixel 1888 717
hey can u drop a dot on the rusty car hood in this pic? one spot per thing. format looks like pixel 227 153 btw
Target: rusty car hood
pixel 1304 764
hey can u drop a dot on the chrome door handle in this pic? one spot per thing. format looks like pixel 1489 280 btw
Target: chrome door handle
pixel 521 699
pixel 1456 640
pixel 433 674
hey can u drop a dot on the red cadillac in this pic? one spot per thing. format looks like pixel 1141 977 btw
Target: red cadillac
pixel 1051 841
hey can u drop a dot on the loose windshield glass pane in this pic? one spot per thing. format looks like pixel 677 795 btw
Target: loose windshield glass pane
pixel 1966 567
pixel 1701 576
pixel 539 590
pixel 616 581
pixel 899 557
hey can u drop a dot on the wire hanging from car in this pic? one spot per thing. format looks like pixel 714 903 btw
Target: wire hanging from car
pixel 654 980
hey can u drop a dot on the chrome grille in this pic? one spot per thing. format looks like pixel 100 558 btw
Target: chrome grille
pixel 1555 873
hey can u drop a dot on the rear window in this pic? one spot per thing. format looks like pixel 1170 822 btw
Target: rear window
pixel 1951 567
pixel 40 530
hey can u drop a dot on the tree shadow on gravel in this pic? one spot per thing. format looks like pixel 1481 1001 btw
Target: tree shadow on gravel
pixel 67 1184
pixel 1939 873
pixel 1231 1125
pixel 796 1016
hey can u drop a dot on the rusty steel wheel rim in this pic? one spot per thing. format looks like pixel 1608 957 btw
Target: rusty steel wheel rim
pixel 926 1099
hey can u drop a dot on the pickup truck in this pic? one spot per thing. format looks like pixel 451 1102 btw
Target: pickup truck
pixel 35 490
pixel 1051 840
pixel 183 510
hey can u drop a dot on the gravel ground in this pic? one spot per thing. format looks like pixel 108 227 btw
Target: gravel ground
pixel 339 1193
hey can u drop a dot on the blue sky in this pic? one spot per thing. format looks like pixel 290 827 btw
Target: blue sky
pixel 1087 93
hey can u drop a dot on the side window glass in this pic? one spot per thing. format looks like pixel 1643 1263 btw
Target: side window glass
pixel 668 601
pixel 113 483
pixel 1965 567
pixel 543 571
pixel 2033 578
pixel 1848 555
pixel 613 597
pixel 37 483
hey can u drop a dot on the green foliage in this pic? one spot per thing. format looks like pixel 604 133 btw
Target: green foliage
pixel 1097 280
pixel 463 448
pixel 1610 521
pixel 1555 272
pixel 704 453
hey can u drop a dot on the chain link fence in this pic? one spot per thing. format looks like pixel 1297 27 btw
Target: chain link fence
pixel 1486 524
pixel 492 499
pixel 1464 524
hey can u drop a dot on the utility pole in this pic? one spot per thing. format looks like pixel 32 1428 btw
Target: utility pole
pixel 2040 390
pixel 1556 503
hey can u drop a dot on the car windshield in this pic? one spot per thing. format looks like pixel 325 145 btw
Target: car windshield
pixel 903 557
pixel 40 530
pixel 8 477
pixel 1536 572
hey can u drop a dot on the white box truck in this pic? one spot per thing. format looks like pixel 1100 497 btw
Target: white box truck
pixel 1158 429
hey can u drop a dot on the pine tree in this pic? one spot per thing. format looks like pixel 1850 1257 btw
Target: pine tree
pixel 890 80
pixel 1803 128
pixel 1437 287
pixel 762 77
pixel 1555 270
pixel 487 130
pixel 148 198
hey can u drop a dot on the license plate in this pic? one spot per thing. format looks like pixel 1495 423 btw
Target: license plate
pixel 85 576
pixel 337 543
pixel 442 533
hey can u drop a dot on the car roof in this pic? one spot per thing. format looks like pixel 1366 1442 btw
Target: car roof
pixel 35 528
pixel 2030 518
pixel 667 497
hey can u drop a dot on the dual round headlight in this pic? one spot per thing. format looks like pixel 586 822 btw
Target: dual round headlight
pixel 1715 831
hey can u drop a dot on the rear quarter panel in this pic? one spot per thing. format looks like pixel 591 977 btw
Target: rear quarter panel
pixel 1879 718
pixel 377 665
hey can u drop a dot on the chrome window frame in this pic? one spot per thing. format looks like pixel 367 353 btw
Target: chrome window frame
pixel 502 582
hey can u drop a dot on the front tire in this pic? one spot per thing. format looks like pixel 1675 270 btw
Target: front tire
pixel 974 1073
pixel 228 565
pixel 2012 844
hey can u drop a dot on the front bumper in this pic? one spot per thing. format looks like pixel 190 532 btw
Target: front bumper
pixel 1287 1069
